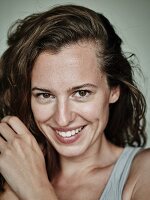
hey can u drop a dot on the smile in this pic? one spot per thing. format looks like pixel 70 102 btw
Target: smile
pixel 69 133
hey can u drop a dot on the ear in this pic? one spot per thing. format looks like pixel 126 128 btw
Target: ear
pixel 114 94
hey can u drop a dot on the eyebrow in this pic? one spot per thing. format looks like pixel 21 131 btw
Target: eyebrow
pixel 83 86
pixel 41 89
pixel 70 89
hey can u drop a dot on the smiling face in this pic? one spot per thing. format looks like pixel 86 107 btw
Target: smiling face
pixel 70 98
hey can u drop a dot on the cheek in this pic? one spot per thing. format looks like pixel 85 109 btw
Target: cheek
pixel 40 112
pixel 95 111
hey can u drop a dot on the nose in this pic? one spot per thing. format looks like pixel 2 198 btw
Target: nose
pixel 64 114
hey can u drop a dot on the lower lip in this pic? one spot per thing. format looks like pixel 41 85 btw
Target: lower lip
pixel 68 140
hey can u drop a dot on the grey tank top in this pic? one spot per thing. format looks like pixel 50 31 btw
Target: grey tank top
pixel 119 175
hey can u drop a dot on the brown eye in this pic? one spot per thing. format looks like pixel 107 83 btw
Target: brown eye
pixel 45 97
pixel 82 93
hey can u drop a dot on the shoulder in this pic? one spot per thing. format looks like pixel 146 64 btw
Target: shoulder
pixel 141 162
pixel 143 153
pixel 140 175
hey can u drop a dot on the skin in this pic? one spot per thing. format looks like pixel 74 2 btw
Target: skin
pixel 21 160
pixel 69 91
pixel 58 105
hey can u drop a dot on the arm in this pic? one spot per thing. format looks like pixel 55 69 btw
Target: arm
pixel 22 162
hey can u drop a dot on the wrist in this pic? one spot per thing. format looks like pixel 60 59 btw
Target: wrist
pixel 45 192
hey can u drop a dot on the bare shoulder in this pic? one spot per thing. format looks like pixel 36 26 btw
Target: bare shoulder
pixel 143 154
pixel 141 163
pixel 140 173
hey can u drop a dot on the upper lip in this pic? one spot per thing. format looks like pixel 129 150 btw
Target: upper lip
pixel 62 129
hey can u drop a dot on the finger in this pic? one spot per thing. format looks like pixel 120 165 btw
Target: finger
pixel 2 144
pixel 16 124
pixel 6 132
pixel 19 128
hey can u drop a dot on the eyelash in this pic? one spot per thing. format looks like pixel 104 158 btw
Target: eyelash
pixel 42 94
pixel 44 97
pixel 47 97
pixel 88 92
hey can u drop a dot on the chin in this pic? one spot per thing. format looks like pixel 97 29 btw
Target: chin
pixel 71 151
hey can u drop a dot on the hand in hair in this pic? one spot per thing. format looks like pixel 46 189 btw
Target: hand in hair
pixel 22 162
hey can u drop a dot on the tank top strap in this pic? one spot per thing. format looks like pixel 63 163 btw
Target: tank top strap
pixel 118 177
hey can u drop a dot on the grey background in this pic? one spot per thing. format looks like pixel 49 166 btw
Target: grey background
pixel 131 19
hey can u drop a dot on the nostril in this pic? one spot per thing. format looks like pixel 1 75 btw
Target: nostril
pixel 62 119
pixel 64 112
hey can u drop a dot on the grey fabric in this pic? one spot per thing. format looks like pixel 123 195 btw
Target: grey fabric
pixel 116 182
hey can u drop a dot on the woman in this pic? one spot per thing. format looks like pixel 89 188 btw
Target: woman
pixel 66 82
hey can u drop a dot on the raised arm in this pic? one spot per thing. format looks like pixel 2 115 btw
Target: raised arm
pixel 22 162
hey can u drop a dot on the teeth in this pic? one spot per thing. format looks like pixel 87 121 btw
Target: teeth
pixel 78 130
pixel 69 133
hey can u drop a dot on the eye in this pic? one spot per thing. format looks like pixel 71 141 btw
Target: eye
pixel 82 93
pixel 44 97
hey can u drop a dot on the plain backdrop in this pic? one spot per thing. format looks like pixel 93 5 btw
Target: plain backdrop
pixel 131 19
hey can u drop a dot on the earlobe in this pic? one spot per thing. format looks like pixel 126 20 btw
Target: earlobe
pixel 114 94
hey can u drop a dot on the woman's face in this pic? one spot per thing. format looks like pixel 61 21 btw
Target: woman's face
pixel 70 98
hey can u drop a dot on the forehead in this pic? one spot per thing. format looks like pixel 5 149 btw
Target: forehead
pixel 76 62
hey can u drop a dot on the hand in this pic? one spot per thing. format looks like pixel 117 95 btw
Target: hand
pixel 22 162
